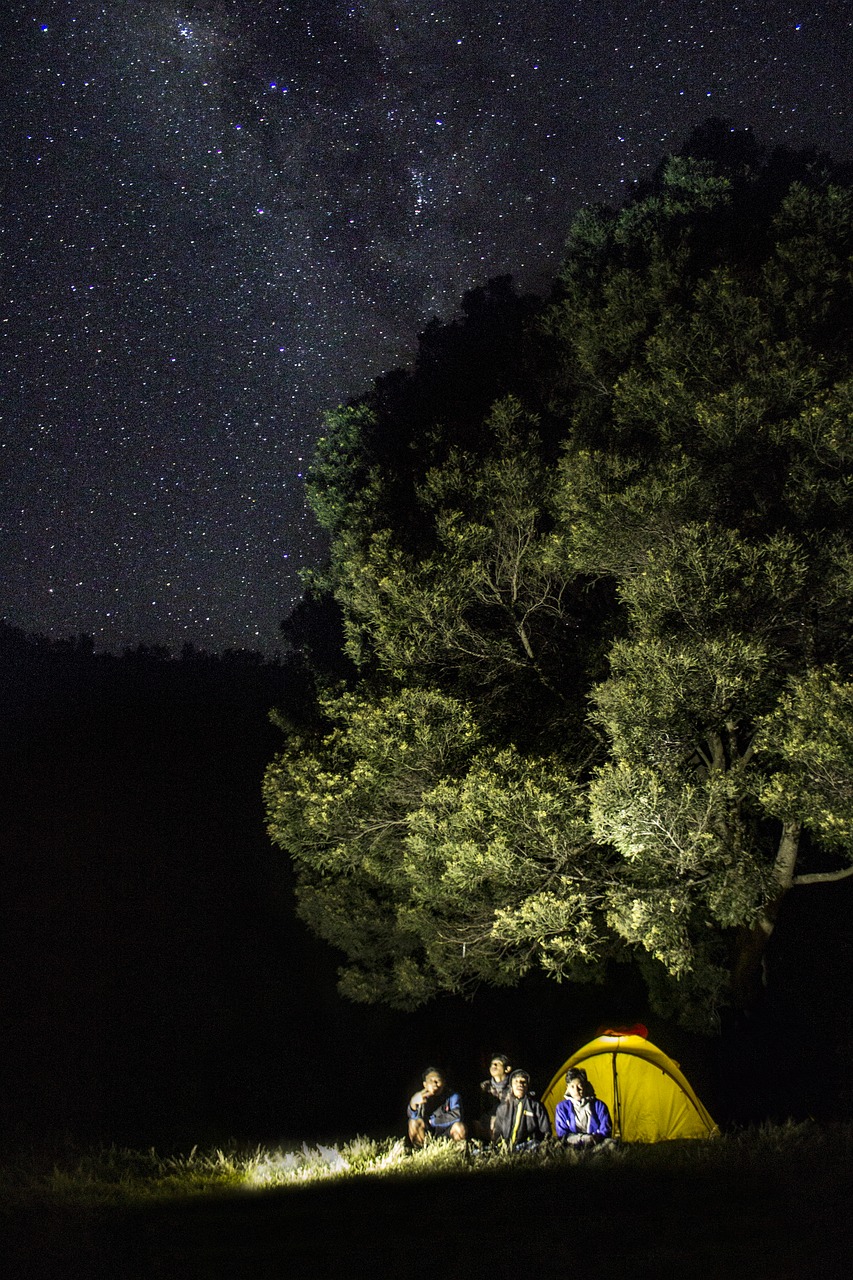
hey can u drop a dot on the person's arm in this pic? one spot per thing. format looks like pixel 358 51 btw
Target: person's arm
pixel 605 1124
pixel 501 1127
pixel 543 1124
pixel 451 1111
pixel 561 1120
pixel 416 1106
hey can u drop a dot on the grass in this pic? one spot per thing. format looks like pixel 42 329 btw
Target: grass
pixel 766 1201
pixel 119 1177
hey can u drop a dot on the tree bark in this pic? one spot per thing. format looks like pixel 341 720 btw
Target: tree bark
pixel 786 858
pixel 748 977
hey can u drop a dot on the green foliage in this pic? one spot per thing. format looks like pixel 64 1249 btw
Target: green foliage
pixel 603 634
pixel 809 736
pixel 432 860
pixel 501 858
pixel 339 480
pixel 340 806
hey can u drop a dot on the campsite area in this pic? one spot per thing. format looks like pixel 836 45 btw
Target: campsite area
pixel 163 995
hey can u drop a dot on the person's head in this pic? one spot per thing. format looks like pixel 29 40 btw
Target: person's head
pixel 519 1083
pixel 499 1067
pixel 433 1081
pixel 577 1085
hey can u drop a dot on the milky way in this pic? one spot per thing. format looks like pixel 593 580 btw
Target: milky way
pixel 222 218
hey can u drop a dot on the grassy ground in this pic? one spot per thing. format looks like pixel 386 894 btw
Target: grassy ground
pixel 769 1202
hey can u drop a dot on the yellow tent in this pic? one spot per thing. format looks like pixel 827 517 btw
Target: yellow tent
pixel 649 1098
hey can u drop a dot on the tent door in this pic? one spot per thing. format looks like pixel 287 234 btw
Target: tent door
pixel 617 1100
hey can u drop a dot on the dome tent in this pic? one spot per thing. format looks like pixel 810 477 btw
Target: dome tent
pixel 649 1098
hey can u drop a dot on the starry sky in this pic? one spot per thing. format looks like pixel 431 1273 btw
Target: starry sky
pixel 222 218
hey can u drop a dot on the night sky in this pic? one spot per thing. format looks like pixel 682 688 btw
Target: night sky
pixel 222 218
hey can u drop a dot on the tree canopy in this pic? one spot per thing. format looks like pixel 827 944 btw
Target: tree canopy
pixel 597 597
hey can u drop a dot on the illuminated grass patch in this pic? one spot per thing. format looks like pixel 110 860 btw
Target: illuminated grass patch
pixel 117 1176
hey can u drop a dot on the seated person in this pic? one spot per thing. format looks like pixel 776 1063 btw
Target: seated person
pixel 494 1091
pixel 434 1111
pixel 581 1119
pixel 521 1122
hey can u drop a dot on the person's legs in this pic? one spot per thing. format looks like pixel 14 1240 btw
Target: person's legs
pixel 420 1132
pixel 417 1132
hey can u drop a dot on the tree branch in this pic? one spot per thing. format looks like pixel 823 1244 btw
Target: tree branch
pixel 822 877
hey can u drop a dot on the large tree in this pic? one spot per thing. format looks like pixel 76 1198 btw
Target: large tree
pixel 605 705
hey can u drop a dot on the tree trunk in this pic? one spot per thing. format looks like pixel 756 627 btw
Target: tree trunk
pixel 748 978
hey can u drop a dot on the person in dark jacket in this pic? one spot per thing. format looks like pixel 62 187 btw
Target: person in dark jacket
pixel 494 1091
pixel 581 1119
pixel 435 1111
pixel 521 1122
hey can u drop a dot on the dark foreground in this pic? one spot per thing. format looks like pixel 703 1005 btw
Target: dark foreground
pixel 794 1221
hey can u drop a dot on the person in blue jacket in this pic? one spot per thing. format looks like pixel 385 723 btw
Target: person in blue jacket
pixel 435 1111
pixel 581 1119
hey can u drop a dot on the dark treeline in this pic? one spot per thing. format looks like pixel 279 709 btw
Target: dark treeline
pixel 140 900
